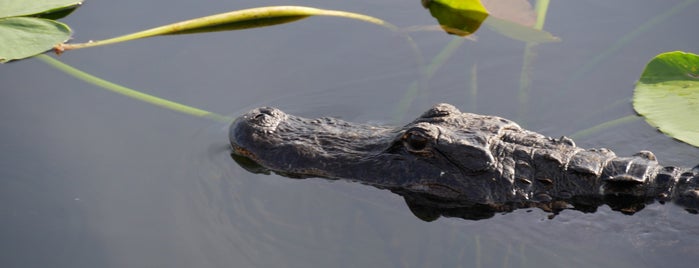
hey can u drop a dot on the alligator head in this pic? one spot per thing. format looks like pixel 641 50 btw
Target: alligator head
pixel 447 162
pixel 443 153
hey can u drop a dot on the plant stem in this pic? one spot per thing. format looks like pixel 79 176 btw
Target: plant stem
pixel 525 81
pixel 130 92
pixel 605 125
pixel 234 20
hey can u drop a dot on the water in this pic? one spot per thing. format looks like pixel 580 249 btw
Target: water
pixel 93 179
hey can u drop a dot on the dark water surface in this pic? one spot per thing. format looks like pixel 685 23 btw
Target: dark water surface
pixel 93 179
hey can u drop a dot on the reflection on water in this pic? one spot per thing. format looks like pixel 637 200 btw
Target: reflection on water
pixel 429 208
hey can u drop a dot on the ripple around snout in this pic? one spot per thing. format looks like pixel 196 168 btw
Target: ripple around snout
pixel 223 207
pixel 239 216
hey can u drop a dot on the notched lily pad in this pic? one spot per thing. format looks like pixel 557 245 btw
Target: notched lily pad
pixel 667 95
pixel 22 37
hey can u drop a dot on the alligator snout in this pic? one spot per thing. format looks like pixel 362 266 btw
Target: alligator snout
pixel 246 130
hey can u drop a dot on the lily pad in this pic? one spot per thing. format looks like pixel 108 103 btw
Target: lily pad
pixel 50 9
pixel 667 95
pixel 22 37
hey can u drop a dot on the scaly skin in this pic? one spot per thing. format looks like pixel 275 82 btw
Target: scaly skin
pixel 450 160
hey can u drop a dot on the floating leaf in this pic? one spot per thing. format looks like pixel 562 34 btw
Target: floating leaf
pixel 459 17
pixel 667 95
pixel 49 9
pixel 22 37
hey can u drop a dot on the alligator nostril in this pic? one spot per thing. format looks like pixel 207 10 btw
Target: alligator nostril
pixel 441 110
pixel 267 111
pixel 263 119
pixel 265 116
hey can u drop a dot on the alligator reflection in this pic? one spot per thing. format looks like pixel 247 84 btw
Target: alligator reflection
pixel 450 163
pixel 429 208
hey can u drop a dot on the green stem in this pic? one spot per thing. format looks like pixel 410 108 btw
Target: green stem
pixel 542 7
pixel 473 93
pixel 234 20
pixel 605 125
pixel 529 57
pixel 432 68
pixel 622 42
pixel 130 92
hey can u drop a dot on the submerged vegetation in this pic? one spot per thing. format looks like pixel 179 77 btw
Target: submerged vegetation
pixel 666 94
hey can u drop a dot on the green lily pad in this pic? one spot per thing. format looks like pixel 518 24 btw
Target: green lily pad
pixel 22 37
pixel 50 9
pixel 458 17
pixel 667 95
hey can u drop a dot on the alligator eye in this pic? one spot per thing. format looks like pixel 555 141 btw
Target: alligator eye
pixel 415 142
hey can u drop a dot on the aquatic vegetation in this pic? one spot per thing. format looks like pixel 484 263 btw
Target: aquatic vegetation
pixel 28 28
pixel 667 95
pixel 234 20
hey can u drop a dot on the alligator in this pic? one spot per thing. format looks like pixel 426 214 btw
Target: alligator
pixel 457 164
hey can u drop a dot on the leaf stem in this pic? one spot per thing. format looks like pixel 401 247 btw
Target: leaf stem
pixel 234 20
pixel 605 125
pixel 130 92
pixel 525 78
